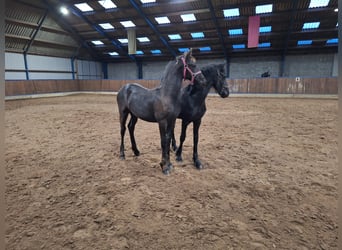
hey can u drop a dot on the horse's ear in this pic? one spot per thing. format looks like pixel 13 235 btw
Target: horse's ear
pixel 188 55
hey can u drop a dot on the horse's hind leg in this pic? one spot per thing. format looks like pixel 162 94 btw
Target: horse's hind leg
pixel 196 126
pixel 123 119
pixel 181 141
pixel 131 126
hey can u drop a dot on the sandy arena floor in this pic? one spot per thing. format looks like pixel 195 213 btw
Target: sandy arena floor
pixel 269 179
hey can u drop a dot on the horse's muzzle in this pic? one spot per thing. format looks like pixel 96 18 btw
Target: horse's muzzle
pixel 224 92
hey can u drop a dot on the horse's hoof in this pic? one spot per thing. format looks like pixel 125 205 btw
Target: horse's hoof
pixel 122 157
pixel 179 158
pixel 136 153
pixel 167 169
pixel 198 165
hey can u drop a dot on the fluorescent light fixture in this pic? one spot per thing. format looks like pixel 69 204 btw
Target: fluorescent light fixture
pixel 304 42
pixel 312 25
pixel 239 46
pixel 188 17
pixel 147 1
pixel 205 49
pixel 84 7
pixel 107 4
pixel 175 37
pixel 97 42
pixel 318 3
pixel 332 41
pixel 113 53
pixel 231 12
pixel 264 45
pixel 197 35
pixel 64 10
pixel 233 32
pixel 143 39
pixel 127 24
pixel 162 20
pixel 265 29
pixel 156 51
pixel 106 26
pixel 123 40
pixel 182 50
pixel 265 8
pixel 336 10
pixel 139 52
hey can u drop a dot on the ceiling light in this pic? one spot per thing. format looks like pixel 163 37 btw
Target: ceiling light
pixel 234 32
pixel 265 8
pixel 197 35
pixel 84 7
pixel 143 39
pixel 318 3
pixel 97 42
pixel 175 37
pixel 264 29
pixel 304 42
pixel 127 24
pixel 156 51
pixel 106 26
pixel 312 25
pixel 107 4
pixel 123 40
pixel 231 12
pixel 162 20
pixel 113 53
pixel 188 17
pixel 64 10
pixel 147 1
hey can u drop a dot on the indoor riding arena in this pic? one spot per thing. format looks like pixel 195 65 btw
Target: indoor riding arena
pixel 267 177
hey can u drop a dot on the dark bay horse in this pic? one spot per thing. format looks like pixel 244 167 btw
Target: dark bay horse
pixel 194 108
pixel 161 104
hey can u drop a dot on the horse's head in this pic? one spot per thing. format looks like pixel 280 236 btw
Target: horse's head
pixel 190 70
pixel 215 74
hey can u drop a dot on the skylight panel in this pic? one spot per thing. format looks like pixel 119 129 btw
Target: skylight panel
pixel 197 35
pixel 265 8
pixel 107 4
pixel 231 12
pixel 84 7
pixel 123 40
pixel 127 24
pixel 182 50
pixel 113 53
pixel 265 29
pixel 188 17
pixel 234 32
pixel 264 45
pixel 318 3
pixel 143 39
pixel 156 51
pixel 332 41
pixel 162 20
pixel 304 42
pixel 312 25
pixel 239 46
pixel 97 42
pixel 175 37
pixel 147 1
pixel 106 26
pixel 139 52
pixel 205 49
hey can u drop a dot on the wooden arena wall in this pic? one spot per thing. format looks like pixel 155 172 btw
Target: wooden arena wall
pixel 258 85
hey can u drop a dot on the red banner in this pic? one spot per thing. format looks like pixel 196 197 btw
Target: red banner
pixel 253 31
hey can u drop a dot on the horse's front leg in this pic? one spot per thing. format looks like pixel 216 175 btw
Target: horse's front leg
pixel 196 126
pixel 165 137
pixel 181 140
pixel 131 127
